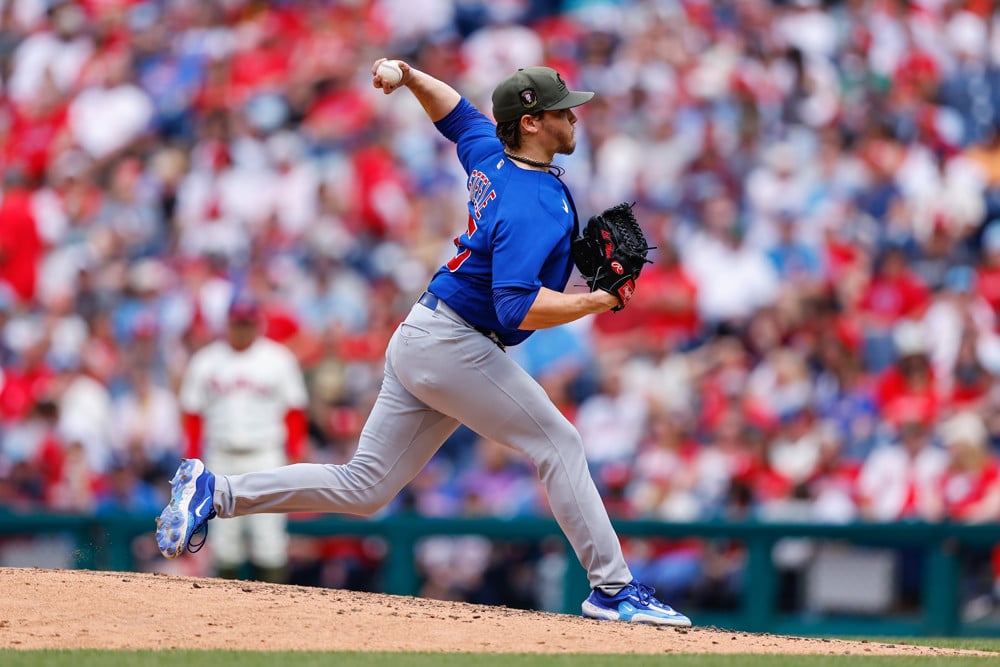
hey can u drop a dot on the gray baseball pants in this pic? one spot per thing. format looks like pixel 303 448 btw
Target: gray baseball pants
pixel 441 372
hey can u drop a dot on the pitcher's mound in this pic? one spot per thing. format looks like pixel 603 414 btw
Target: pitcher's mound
pixel 125 610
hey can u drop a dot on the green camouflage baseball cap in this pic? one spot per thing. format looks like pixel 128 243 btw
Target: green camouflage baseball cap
pixel 531 90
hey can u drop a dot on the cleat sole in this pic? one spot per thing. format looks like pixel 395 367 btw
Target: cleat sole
pixel 171 525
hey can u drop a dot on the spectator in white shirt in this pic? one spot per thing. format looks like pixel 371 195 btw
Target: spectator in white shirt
pixel 734 279
pixel 898 479
pixel 109 116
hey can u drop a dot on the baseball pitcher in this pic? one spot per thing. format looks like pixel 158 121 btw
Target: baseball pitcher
pixel 446 363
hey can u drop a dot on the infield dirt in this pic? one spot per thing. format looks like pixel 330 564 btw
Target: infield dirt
pixel 124 610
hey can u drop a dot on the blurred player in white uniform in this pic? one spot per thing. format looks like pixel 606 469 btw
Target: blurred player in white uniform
pixel 244 399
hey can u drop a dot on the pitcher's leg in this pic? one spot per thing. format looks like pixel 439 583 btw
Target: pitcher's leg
pixel 530 423
pixel 399 438
pixel 508 406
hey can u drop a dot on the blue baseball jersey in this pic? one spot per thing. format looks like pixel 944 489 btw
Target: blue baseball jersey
pixel 517 239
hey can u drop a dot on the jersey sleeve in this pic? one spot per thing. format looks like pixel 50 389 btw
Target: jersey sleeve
pixel 512 304
pixel 293 386
pixel 473 133
pixel 192 394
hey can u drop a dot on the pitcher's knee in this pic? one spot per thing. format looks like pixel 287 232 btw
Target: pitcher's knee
pixel 564 451
pixel 369 501
pixel 367 507
pixel 372 492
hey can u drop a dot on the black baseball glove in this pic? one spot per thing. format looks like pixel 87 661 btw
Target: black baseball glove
pixel 611 252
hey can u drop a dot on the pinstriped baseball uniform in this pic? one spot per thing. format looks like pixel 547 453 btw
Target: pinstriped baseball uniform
pixel 243 396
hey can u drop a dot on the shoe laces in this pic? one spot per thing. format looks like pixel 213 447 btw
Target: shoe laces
pixel 194 547
pixel 644 593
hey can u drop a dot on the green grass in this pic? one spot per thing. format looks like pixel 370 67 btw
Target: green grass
pixel 10 658
pixel 965 643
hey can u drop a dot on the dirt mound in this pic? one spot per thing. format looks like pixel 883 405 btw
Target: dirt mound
pixel 124 610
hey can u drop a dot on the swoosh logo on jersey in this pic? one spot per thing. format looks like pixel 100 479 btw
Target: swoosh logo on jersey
pixel 565 206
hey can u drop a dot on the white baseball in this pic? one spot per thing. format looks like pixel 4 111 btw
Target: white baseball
pixel 390 72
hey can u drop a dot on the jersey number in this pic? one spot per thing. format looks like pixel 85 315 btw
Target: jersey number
pixel 455 263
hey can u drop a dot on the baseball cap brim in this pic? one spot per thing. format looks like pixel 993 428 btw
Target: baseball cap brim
pixel 574 98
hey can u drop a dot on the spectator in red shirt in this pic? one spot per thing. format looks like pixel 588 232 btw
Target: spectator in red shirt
pixel 20 243
pixel 37 131
pixel 969 490
pixel 757 488
pixel 908 387
pixel 971 381
pixel 27 377
pixel 893 293
pixel 262 63
pixel 988 271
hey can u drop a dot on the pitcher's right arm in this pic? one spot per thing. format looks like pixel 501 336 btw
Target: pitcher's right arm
pixel 435 96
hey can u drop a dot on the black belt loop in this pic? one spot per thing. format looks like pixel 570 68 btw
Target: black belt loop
pixel 492 335
pixel 429 300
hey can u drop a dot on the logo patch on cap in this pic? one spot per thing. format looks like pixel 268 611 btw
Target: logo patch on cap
pixel 528 98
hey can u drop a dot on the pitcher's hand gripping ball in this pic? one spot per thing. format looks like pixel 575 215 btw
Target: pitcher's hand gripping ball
pixel 611 252
pixel 391 72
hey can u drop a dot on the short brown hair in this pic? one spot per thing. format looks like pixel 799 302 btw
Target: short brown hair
pixel 509 133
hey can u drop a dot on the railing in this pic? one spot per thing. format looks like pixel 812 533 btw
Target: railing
pixel 105 543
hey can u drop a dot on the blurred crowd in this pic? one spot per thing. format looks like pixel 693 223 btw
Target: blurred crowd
pixel 817 338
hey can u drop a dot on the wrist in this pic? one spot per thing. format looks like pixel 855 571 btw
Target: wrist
pixel 411 78
pixel 603 301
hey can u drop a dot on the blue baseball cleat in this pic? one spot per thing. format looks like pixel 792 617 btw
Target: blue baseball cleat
pixel 633 603
pixel 190 508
